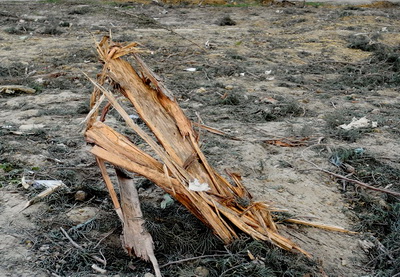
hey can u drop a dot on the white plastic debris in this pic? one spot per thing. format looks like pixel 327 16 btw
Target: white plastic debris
pixel 39 80
pixel 355 123
pixel 191 69
pixel 167 201
pixel 134 116
pixel 196 186
pixel 49 185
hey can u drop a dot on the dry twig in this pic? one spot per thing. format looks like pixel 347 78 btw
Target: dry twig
pixel 345 178
pixel 362 184
pixel 193 259
pixel 94 257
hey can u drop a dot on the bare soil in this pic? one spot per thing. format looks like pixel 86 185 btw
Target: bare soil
pixel 264 73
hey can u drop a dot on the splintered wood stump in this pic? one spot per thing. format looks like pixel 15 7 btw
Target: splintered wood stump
pixel 177 164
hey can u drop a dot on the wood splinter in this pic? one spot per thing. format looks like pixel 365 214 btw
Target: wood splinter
pixel 136 239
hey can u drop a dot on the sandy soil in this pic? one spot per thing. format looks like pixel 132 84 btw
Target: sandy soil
pixel 277 73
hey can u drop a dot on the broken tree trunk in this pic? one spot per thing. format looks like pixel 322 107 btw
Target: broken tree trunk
pixel 176 164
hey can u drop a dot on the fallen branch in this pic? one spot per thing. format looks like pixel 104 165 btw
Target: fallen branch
pixel 365 185
pixel 94 257
pixel 193 259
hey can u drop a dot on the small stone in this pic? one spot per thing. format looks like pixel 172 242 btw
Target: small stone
pixel 201 271
pixel 28 243
pixel 349 168
pixel 375 111
pixel 366 245
pixel 44 247
pixel 383 203
pixel 269 100
pixel 148 274
pixel 81 215
pixel 201 90
pixel 80 195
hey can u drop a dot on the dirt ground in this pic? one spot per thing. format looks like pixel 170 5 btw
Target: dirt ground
pixel 263 73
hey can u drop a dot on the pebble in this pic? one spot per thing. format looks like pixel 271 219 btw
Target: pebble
pixel 366 245
pixel 201 90
pixel 80 195
pixel 375 111
pixel 202 271
pixel 81 215
pixel 349 168
pixel 44 247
